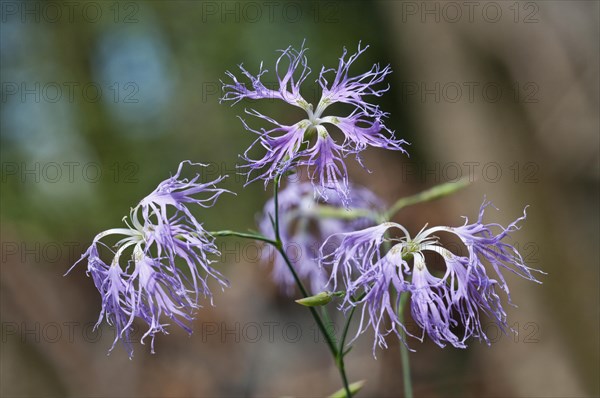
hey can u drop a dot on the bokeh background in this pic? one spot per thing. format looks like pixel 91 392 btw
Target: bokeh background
pixel 102 99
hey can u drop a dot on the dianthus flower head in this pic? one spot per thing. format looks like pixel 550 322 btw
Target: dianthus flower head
pixel 309 142
pixel 448 306
pixel 149 283
pixel 304 223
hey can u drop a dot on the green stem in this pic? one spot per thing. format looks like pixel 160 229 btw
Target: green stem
pixel 276 200
pixel 327 320
pixel 342 368
pixel 347 324
pixel 341 354
pixel 436 192
pixel 345 332
pixel 439 191
pixel 341 351
pixel 279 247
pixel 327 211
pixel 327 333
pixel 278 244
pixel 303 290
pixel 244 235
pixel 404 354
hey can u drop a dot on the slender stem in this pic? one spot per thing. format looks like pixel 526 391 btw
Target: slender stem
pixel 439 191
pixel 328 338
pixel 341 351
pixel 327 211
pixel 436 192
pixel 345 331
pixel 243 235
pixel 347 325
pixel 327 333
pixel 337 354
pixel 341 354
pixel 279 248
pixel 342 368
pixel 303 290
pixel 327 320
pixel 276 200
pixel 404 354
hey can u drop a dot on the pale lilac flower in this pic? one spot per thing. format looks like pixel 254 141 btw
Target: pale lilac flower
pixel 308 142
pixel 431 307
pixel 178 193
pixel 117 299
pixel 440 303
pixel 289 80
pixel 151 284
pixel 304 225
pixel 369 278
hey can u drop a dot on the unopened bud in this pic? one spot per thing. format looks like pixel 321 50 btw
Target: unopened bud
pixel 354 388
pixel 316 300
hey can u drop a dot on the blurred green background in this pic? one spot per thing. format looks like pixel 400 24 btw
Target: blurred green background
pixel 101 100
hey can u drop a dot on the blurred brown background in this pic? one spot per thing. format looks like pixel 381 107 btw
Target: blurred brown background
pixel 101 100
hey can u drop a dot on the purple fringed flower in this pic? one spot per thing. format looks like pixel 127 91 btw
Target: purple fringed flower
pixel 112 284
pixel 304 225
pixel 440 303
pixel 308 142
pixel 369 278
pixel 351 90
pixel 430 307
pixel 151 285
pixel 289 80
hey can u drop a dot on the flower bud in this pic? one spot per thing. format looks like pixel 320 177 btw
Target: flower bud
pixel 316 300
